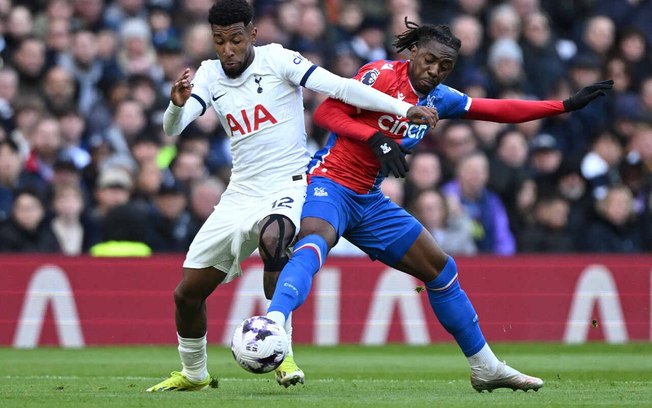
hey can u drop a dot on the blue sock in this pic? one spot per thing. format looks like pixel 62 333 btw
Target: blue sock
pixel 296 277
pixel 454 310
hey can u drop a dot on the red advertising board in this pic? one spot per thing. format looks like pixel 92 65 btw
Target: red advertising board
pixel 80 301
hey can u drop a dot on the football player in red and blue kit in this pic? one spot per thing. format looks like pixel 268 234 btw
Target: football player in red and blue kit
pixel 344 198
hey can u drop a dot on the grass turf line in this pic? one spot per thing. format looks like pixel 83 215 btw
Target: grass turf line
pixel 592 375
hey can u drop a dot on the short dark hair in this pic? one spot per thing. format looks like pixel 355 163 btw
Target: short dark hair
pixel 416 34
pixel 228 12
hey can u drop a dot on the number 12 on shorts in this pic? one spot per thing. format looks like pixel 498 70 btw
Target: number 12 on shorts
pixel 283 202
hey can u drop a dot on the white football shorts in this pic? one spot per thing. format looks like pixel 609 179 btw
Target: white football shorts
pixel 230 234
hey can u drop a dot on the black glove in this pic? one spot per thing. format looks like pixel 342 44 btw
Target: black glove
pixel 389 154
pixel 585 95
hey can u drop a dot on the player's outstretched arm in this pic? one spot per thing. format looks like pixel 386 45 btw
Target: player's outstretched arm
pixel 587 94
pixel 180 111
pixel 339 117
pixel 181 89
pixel 516 111
pixel 366 97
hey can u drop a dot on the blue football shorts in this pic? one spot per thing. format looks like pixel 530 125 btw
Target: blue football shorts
pixel 372 222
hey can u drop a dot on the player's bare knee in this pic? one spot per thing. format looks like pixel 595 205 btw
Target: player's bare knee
pixel 187 298
pixel 276 233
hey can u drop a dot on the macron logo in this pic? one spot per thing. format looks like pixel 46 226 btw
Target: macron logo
pixel 320 192
pixel 386 149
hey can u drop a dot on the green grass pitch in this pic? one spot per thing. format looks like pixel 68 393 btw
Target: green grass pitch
pixel 592 375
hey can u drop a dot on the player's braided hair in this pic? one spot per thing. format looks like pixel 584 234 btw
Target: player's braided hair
pixel 227 12
pixel 416 34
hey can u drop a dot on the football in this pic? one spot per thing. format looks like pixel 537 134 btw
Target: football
pixel 259 345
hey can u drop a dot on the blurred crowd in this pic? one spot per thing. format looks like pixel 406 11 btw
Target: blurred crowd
pixel 84 84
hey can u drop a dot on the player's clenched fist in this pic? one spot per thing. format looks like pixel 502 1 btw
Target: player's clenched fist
pixel 423 115
pixel 181 89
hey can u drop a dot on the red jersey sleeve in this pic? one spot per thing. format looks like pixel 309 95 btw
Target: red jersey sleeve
pixel 340 118
pixel 512 110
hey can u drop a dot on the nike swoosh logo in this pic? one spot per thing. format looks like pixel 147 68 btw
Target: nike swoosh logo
pixel 218 97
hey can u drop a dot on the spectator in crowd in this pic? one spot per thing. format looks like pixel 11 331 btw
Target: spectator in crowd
pixel 58 38
pixel 446 221
pixel 425 174
pixel 144 90
pixel 74 232
pixel 73 131
pixel 639 156
pixel 46 147
pixel 126 231
pixel 586 69
pixel 542 64
pixel 545 161
pixel 491 225
pixel 145 148
pixel 598 37
pixel 615 229
pixel 600 166
pixel 349 17
pixel 54 10
pixel 617 69
pixel 645 96
pixel 625 14
pixel 574 189
pixel 197 43
pixel 633 47
pixel 129 121
pixel 114 186
pixel 89 15
pixel 508 166
pixel 368 43
pixel 470 61
pixel 188 167
pixel 58 90
pixel 11 165
pixel 506 70
pixel 457 141
pixel 119 11
pixel 8 93
pixel 205 194
pixel 549 231
pixel 172 221
pixel 89 71
pixel 27 230
pixel 18 26
pixel 504 23
pixel 137 54
pixel 29 61
pixel 520 213
pixel 148 181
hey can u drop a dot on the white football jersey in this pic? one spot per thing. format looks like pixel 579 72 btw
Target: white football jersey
pixel 262 112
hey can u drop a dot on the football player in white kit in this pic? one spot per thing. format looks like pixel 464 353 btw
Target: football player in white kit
pixel 256 92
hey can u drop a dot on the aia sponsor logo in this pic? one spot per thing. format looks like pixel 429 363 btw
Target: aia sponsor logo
pixel 250 121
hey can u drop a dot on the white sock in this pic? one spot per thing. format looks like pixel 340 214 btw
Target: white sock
pixel 278 317
pixel 287 325
pixel 193 358
pixel 484 357
pixel 288 330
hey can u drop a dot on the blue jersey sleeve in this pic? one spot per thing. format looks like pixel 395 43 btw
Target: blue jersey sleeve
pixel 449 102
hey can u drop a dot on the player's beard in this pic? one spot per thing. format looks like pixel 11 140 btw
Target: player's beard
pixel 234 72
